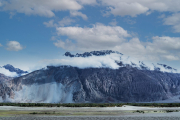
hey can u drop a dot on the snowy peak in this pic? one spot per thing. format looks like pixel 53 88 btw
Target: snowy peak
pixel 13 69
pixel 166 67
pixel 121 61
pixel 92 53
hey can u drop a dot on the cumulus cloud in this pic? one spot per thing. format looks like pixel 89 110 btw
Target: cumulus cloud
pixel 133 47
pixel 87 2
pixel 116 38
pixel 8 73
pixel 136 7
pixel 44 7
pixel 174 21
pixel 170 57
pixel 113 23
pixel 92 38
pixel 65 44
pixel 50 24
pixel 161 48
pixel 64 22
pixel 167 43
pixel 76 13
pixel 1 4
pixel 14 46
pixel 116 7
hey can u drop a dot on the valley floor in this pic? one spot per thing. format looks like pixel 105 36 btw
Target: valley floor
pixel 87 113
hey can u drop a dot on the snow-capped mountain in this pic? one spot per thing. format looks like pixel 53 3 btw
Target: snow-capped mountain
pixel 130 80
pixel 14 70
pixel 126 61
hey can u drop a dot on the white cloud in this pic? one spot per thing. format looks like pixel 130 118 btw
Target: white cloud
pixel 116 7
pixel 1 4
pixel 136 7
pixel 8 73
pixel 170 57
pixel 113 23
pixel 1 45
pixel 14 46
pixel 87 2
pixel 64 22
pixel 76 13
pixel 174 21
pixel 50 24
pixel 43 7
pixel 162 16
pixel 67 44
pixel 133 47
pixel 129 21
pixel 161 48
pixel 93 38
pixel 101 37
pixel 108 61
pixel 122 9
pixel 167 43
pixel 12 14
pixel 94 61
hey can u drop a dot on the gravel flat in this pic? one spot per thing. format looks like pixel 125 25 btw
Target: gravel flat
pixel 90 118
pixel 123 108
pixel 107 113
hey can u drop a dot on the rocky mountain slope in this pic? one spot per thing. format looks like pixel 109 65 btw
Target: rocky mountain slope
pixel 4 78
pixel 67 84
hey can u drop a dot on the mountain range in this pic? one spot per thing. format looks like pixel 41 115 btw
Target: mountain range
pixel 131 81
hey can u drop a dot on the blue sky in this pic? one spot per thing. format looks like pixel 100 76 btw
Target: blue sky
pixel 36 30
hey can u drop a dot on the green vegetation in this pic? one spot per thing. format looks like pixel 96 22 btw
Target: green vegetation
pixel 155 104
pixel 138 111
pixel 62 105
pixel 91 104
pixel 171 111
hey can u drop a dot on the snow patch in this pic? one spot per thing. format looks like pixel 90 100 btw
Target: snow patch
pixel 87 62
pixel 107 61
pixel 8 73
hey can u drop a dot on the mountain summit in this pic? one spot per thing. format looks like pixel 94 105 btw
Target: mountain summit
pixel 13 69
pixel 93 53
pixel 125 61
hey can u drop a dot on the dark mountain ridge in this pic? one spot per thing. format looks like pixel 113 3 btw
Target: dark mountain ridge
pixel 13 69
pixel 102 84
pixel 93 53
